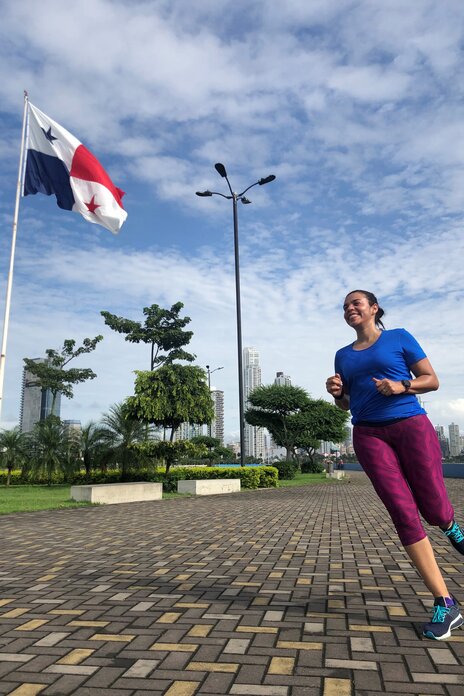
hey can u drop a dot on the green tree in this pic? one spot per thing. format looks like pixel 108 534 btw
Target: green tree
pixel 214 452
pixel 169 396
pixel 224 453
pixel 163 330
pixel 93 446
pixel 54 450
pixel 210 442
pixel 170 452
pixel 13 450
pixel 294 420
pixel 52 374
pixel 120 432
pixel 272 407
pixel 317 421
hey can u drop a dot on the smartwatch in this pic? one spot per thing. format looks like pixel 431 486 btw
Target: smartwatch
pixel 406 384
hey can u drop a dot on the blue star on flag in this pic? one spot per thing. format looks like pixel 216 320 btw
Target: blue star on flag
pixel 48 135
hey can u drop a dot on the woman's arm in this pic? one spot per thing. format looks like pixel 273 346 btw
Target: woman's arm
pixel 343 403
pixel 334 386
pixel 425 380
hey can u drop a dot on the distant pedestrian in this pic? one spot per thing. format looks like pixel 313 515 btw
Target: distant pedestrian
pixel 341 464
pixel 377 378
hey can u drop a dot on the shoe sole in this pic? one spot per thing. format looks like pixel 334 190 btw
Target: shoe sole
pixel 458 621
pixel 456 548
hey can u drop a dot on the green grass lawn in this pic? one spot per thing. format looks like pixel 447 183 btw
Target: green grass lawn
pixel 31 498
pixel 307 480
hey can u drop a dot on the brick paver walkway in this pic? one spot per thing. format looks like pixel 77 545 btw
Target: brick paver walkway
pixel 291 592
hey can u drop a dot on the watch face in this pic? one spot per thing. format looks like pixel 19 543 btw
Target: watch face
pixel 406 383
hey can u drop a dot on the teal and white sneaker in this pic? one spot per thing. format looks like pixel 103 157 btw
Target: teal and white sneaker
pixel 455 536
pixel 444 620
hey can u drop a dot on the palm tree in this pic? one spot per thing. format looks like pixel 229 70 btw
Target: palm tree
pixel 13 450
pixel 92 445
pixel 54 449
pixel 119 434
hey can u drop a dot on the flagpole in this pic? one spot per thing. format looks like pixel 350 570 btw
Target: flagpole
pixel 9 284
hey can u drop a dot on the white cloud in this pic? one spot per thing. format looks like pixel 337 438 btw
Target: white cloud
pixel 457 406
pixel 291 310
pixel 356 106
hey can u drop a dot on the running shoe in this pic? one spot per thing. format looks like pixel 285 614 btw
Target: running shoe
pixel 444 620
pixel 455 536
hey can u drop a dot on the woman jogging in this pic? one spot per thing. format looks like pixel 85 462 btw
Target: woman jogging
pixel 377 378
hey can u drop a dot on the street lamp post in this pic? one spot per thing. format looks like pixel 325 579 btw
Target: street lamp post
pixel 210 372
pixel 235 197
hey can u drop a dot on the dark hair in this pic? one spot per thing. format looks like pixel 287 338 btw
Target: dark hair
pixel 371 298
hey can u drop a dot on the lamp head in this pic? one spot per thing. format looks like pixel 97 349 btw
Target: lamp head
pixel 220 169
pixel 266 179
pixel 204 193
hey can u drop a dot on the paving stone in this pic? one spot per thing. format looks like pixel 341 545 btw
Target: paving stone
pixel 292 591
pixel 141 668
pixel 64 686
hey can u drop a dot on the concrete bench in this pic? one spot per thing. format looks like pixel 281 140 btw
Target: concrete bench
pixel 336 475
pixel 111 493
pixel 208 486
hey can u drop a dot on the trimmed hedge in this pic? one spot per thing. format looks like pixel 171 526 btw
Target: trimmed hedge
pixel 250 477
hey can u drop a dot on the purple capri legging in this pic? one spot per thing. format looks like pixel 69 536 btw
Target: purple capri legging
pixel 403 462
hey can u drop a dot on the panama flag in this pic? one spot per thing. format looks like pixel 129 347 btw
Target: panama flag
pixel 56 162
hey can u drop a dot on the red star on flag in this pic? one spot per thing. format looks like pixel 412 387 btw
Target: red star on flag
pixel 92 206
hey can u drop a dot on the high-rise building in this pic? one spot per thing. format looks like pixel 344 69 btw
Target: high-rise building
pixel 72 426
pixel 217 425
pixel 273 451
pixel 454 443
pixel 282 380
pixel 254 437
pixel 443 440
pixel 186 431
pixel 36 403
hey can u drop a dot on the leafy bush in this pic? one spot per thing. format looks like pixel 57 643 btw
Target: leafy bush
pixel 15 479
pixel 312 467
pixel 268 476
pixel 250 477
pixel 287 469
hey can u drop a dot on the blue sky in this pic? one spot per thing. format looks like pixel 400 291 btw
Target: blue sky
pixel 356 106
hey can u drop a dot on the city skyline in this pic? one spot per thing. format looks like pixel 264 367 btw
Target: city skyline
pixel 357 110
pixel 35 405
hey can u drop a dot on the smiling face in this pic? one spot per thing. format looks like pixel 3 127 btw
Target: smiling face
pixel 357 310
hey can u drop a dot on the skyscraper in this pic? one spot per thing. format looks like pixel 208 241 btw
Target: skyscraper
pixel 254 437
pixel 186 431
pixel 36 403
pixel 282 380
pixel 454 443
pixel 217 426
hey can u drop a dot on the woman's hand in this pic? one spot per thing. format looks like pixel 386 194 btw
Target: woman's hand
pixel 334 386
pixel 388 387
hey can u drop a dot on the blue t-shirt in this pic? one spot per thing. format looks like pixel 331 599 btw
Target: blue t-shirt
pixel 390 357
